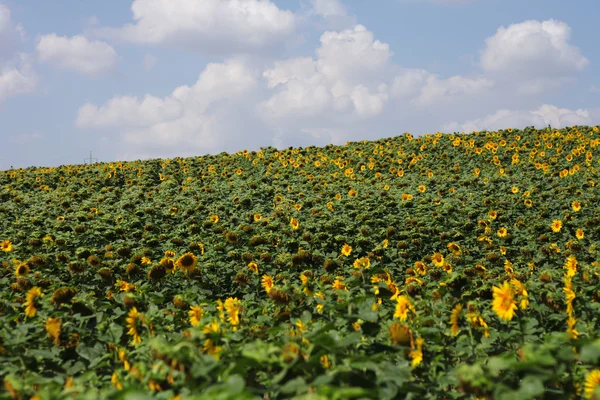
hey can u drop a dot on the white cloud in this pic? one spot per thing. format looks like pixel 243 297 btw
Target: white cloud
pixel 347 75
pixel 545 115
pixel 196 117
pixel 77 53
pixel 17 77
pixel 210 25
pixel 532 49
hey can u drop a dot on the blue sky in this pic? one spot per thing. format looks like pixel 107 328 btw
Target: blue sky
pixel 165 78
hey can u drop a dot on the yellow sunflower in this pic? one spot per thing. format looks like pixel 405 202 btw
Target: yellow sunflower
pixel 53 329
pixel 6 246
pixel 195 315
pixel 438 259
pixel 502 232
pixel 132 317
pixel 187 262
pixel 267 283
pixel 403 306
pixel 294 223
pixel 454 248
pixel 592 381
pixel 32 294
pixel 556 225
pixel 346 249
pixel 576 205
pixel 579 234
pixel 504 304
pixel 22 269
pixel 454 319
pixel 362 262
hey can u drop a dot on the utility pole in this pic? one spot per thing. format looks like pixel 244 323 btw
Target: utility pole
pixel 91 159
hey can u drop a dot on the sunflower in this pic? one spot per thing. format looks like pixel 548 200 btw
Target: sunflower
pixel 195 315
pixel 132 317
pixel 267 283
pixel 114 380
pixel 6 246
pixel 362 262
pixel 502 232
pixel 253 267
pixel 233 307
pixel 417 355
pixel 556 225
pixel 422 188
pixel 210 348
pixel 352 193
pixel 22 269
pixel 454 248
pixel 592 382
pixel 579 234
pixel 187 262
pixel 339 284
pixel 438 259
pixel 492 214
pixel 420 268
pixel 576 205
pixel 257 217
pixel 403 306
pixel 30 309
pixel 294 223
pixel 454 319
pixel 571 266
pixel 515 189
pixel 504 304
pixel 53 329
pixel 168 264
pixel 346 249
pixel 214 218
pixel 400 334
pixel 528 203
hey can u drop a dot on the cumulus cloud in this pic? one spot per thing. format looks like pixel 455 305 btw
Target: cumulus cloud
pixel 76 53
pixel 545 115
pixel 346 76
pixel 210 25
pixel 331 97
pixel 17 77
pixel 536 53
pixel 192 117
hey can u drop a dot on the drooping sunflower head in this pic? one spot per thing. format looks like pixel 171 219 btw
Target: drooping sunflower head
pixel 187 262
pixel 454 248
pixel 438 259
pixel 294 223
pixel 22 269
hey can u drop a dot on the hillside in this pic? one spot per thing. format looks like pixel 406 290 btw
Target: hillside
pixel 439 266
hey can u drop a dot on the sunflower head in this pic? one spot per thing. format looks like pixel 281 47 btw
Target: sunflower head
pixel 187 262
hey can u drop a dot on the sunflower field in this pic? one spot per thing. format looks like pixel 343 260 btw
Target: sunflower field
pixel 444 266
